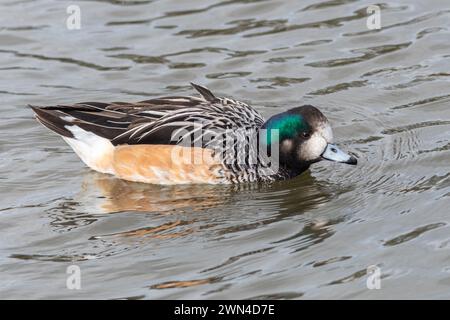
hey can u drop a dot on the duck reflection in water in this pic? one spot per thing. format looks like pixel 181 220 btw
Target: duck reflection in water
pixel 182 209
pixel 118 195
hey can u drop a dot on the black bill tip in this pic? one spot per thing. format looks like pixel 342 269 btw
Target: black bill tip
pixel 353 161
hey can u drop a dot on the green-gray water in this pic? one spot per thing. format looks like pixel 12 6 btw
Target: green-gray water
pixel 386 93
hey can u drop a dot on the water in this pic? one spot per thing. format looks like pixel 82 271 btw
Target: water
pixel 385 91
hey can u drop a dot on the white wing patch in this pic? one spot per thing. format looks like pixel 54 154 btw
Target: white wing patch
pixel 96 152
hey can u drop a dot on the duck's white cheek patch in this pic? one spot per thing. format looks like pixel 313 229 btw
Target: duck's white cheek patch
pixel 326 132
pixel 312 148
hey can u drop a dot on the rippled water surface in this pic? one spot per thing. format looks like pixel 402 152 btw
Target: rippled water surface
pixel 386 92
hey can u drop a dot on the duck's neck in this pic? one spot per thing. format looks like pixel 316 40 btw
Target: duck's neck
pixel 282 166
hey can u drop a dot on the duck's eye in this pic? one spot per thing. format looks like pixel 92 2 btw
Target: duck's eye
pixel 306 135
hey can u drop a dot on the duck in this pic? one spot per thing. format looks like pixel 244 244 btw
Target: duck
pixel 193 139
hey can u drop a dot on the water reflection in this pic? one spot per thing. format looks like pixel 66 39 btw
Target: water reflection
pixel 182 210
pixel 112 195
pixel 117 195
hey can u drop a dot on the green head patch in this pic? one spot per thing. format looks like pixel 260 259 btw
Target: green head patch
pixel 287 124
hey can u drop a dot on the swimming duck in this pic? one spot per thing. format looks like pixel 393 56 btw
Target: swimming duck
pixel 146 141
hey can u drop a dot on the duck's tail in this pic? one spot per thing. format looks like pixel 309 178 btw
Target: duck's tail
pixel 53 120
pixel 90 116
pixel 89 141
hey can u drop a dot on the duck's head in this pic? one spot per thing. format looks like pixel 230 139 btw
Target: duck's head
pixel 305 137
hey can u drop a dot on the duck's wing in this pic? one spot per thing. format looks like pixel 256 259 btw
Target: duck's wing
pixel 182 116
pixel 155 121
